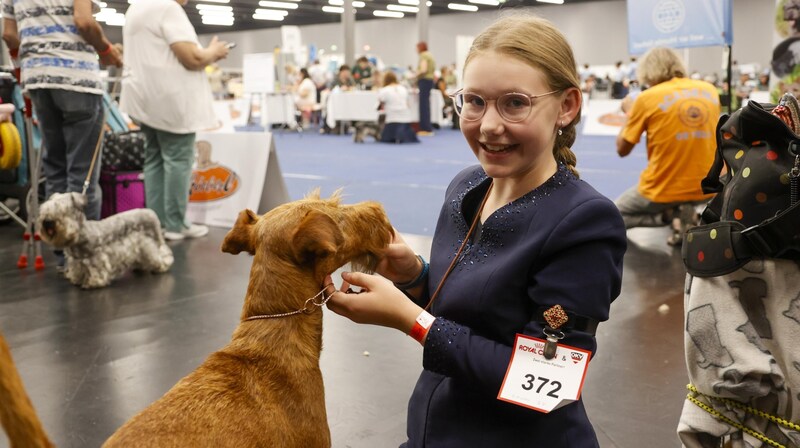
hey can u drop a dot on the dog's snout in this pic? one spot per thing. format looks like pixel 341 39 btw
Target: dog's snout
pixel 48 225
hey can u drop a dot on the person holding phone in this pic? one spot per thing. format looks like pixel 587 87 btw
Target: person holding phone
pixel 166 91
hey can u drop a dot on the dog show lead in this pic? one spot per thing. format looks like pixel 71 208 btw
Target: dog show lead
pixel 525 260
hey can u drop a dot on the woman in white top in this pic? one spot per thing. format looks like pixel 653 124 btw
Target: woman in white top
pixel 306 96
pixel 395 101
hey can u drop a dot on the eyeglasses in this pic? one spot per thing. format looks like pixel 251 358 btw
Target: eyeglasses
pixel 513 107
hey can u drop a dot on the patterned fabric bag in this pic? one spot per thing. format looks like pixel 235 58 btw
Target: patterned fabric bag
pixel 753 213
pixel 124 151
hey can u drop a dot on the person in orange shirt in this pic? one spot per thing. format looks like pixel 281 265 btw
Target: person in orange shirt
pixel 680 117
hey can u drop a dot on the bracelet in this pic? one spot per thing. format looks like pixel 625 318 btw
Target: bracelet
pixel 106 51
pixel 420 278
pixel 421 326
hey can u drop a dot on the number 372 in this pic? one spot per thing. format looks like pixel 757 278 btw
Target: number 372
pixel 530 384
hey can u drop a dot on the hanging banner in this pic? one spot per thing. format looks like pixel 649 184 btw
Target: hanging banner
pixel 678 24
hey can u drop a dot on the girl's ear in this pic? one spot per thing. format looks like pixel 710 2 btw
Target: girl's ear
pixel 570 105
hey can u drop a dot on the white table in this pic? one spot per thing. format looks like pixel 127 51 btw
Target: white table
pixel 362 105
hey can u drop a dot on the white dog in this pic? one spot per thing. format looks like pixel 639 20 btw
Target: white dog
pixel 99 251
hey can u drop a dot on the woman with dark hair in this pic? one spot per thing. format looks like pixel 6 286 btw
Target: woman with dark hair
pixel 306 96
pixel 394 99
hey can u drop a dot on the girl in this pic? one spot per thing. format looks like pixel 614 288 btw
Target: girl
pixel 517 235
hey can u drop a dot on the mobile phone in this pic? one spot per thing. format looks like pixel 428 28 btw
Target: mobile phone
pixel 230 45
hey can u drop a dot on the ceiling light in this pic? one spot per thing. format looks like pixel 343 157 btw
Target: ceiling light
pixel 218 1
pixel 336 2
pixel 393 14
pixel 274 17
pixel 271 4
pixel 271 12
pixel 206 13
pixel 462 7
pixel 408 2
pixel 485 2
pixel 202 7
pixel 402 8
pixel 555 2
pixel 358 4
pixel 225 21
pixel 333 9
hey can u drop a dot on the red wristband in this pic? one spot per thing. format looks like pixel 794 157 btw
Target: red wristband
pixel 421 326
pixel 14 53
pixel 106 51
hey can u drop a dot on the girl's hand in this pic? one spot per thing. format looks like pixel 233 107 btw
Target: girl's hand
pixel 378 303
pixel 400 264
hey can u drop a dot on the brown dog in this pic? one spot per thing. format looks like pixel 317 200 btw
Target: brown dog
pixel 16 411
pixel 264 389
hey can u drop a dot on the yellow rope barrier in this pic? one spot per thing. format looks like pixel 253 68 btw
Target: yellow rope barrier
pixel 750 410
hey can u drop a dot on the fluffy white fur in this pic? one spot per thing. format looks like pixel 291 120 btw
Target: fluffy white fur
pixel 97 252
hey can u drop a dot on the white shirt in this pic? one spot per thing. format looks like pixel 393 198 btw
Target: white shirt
pixel 306 94
pixel 156 89
pixel 395 103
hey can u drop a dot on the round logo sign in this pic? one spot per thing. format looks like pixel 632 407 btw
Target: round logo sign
pixel 693 113
pixel 669 15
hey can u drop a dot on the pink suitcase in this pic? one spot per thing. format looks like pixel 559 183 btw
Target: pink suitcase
pixel 122 190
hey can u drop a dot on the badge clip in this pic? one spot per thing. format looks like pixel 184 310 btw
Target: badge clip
pixel 555 317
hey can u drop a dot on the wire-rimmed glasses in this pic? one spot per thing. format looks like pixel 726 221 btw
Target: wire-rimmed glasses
pixel 513 107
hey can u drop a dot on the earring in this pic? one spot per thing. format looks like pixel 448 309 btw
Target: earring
pixel 560 125
pixel 560 132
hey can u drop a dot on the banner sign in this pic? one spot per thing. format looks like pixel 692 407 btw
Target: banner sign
pixel 678 24
pixel 232 172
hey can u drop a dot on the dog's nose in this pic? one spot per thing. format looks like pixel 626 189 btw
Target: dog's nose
pixel 49 226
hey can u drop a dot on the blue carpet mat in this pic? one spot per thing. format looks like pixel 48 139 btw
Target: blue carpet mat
pixel 410 179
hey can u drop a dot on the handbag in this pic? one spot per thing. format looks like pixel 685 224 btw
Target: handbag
pixel 755 212
pixel 124 151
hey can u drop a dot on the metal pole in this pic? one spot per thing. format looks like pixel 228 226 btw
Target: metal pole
pixel 349 22
pixel 730 81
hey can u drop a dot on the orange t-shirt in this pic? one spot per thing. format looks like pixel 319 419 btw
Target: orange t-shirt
pixel 680 117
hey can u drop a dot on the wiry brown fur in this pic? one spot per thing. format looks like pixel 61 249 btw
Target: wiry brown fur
pixel 16 411
pixel 264 389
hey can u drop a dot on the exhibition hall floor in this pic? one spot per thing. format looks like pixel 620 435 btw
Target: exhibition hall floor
pixel 92 359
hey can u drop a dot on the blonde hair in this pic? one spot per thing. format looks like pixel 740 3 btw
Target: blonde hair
pixel 659 64
pixel 538 43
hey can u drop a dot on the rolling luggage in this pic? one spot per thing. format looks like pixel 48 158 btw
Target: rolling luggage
pixel 122 190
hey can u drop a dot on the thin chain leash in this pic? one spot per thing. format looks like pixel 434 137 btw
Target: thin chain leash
pixel 305 309
pixel 693 392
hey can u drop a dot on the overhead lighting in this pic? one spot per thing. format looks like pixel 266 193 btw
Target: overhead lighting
pixel 224 21
pixel 202 7
pixel 271 12
pixel 274 17
pixel 218 1
pixel 462 7
pixel 205 13
pixel 402 8
pixel 485 2
pixel 358 4
pixel 333 9
pixel 555 2
pixel 393 14
pixel 284 5
pixel 408 2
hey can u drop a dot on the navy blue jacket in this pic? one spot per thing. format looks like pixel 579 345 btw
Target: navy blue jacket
pixel 561 243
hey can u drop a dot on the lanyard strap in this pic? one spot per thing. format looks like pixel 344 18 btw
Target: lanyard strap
pixel 460 249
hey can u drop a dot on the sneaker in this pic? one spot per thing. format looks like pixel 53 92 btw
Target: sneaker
pixel 424 133
pixel 193 231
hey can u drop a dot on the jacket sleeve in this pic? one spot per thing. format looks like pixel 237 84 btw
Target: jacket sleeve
pixel 578 267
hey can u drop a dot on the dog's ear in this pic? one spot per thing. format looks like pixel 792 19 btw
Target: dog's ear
pixel 78 200
pixel 316 237
pixel 239 238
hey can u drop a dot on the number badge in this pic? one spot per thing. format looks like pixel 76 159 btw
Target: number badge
pixel 542 384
